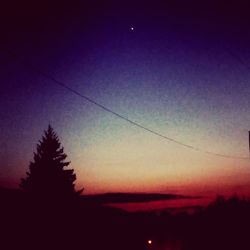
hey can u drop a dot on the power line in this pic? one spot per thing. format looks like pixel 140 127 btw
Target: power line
pixel 65 86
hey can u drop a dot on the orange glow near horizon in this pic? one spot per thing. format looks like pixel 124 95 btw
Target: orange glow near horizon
pixel 131 160
pixel 138 107
pixel 143 163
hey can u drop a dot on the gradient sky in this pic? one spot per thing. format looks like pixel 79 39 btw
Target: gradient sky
pixel 174 73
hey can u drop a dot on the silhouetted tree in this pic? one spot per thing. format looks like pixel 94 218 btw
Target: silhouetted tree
pixel 47 176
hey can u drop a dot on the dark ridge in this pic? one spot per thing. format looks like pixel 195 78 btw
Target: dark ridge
pixel 133 197
pixel 68 224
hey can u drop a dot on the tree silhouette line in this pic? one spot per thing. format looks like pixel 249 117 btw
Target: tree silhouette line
pixel 49 213
pixel 47 176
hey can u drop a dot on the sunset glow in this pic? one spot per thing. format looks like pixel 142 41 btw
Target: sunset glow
pixel 125 125
pixel 185 87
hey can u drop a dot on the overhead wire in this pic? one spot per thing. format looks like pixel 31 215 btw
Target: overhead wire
pixel 90 100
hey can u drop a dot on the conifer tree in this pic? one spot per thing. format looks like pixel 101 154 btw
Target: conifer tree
pixel 46 176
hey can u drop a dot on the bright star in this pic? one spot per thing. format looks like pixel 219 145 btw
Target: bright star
pixel 132 28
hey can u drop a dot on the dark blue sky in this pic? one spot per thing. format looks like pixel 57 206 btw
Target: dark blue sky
pixel 173 73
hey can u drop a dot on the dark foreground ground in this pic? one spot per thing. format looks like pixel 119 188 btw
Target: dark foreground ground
pixel 76 224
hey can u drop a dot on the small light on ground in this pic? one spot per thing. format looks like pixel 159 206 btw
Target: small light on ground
pixel 149 242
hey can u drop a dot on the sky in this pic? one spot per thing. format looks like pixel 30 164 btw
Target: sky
pixel 181 70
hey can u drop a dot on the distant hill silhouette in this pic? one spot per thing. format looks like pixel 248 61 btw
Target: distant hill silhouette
pixel 28 224
pixel 131 197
